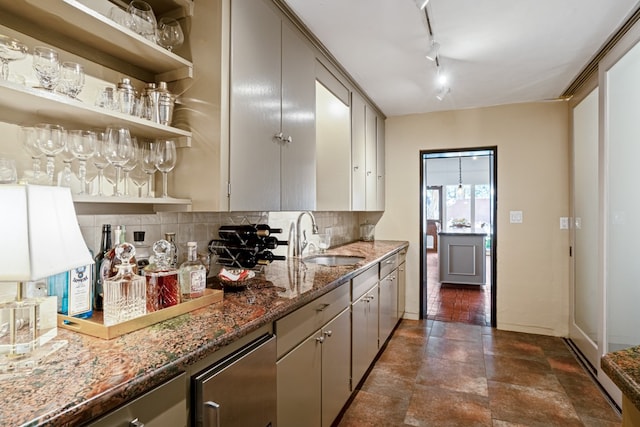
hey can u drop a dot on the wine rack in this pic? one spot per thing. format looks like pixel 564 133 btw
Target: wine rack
pixel 246 246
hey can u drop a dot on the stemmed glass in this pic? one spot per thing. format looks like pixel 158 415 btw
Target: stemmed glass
pixel 119 148
pixel 51 140
pixel 143 21
pixel 64 177
pixel 47 66
pixel 29 139
pixel 165 160
pixel 130 165
pixel 71 79
pixel 148 163
pixel 99 159
pixel 82 144
pixel 10 50
pixel 170 35
pixel 139 177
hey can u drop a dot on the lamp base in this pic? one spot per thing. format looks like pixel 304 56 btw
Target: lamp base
pixel 11 364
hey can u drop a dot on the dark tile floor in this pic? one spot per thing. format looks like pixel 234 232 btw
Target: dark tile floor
pixel 434 373
pixel 457 303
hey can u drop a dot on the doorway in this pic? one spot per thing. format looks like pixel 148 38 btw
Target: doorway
pixel 458 235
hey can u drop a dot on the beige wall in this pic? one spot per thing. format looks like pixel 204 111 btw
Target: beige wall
pixel 533 177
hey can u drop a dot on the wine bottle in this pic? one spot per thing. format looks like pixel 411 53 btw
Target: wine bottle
pixel 267 257
pixel 238 258
pixel 102 266
pixel 242 233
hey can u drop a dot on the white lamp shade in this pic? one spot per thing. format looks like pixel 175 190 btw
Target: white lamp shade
pixel 39 233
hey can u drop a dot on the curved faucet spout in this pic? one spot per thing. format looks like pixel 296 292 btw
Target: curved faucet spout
pixel 299 244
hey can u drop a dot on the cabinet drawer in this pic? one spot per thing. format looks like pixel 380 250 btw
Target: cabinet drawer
pixel 363 282
pixel 388 264
pixel 164 406
pixel 295 327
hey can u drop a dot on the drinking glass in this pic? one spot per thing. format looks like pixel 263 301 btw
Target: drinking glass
pixel 71 79
pixel 139 178
pixel 110 177
pixel 64 177
pixel 119 148
pixel 90 177
pixel 10 50
pixel 82 144
pixel 324 241
pixel 143 21
pixel 165 160
pixel 8 174
pixel 148 163
pixel 99 159
pixel 130 165
pixel 51 140
pixel 170 35
pixel 29 140
pixel 46 66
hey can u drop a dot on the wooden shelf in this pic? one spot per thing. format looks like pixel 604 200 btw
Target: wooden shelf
pixel 78 21
pixel 92 205
pixel 27 106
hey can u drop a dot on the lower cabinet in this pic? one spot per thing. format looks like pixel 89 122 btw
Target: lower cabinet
pixel 313 378
pixel 402 288
pixel 164 406
pixel 388 305
pixel 364 333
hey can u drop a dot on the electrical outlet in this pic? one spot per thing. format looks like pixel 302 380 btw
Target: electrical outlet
pixel 515 217
pixel 564 223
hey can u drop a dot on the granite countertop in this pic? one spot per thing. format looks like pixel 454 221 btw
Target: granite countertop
pixel 90 376
pixel 623 367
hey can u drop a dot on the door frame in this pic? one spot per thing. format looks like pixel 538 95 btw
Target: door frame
pixel 493 172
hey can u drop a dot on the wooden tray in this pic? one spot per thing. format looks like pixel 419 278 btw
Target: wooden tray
pixel 94 326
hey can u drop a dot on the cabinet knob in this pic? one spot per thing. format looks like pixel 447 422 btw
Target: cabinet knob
pixel 136 423
pixel 211 406
pixel 278 136
pixel 287 140
pixel 320 339
pixel 328 333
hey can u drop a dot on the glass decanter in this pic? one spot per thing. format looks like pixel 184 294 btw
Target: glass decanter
pixel 125 295
pixel 163 289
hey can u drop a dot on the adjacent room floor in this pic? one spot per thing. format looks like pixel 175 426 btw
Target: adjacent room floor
pixel 434 373
pixel 457 303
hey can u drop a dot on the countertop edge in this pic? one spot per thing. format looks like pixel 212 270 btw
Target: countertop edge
pixel 623 368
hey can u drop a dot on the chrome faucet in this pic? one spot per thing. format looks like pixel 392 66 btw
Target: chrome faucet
pixel 300 244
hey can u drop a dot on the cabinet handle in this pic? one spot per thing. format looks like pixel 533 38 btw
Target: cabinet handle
pixel 320 339
pixel 287 140
pixel 136 423
pixel 278 136
pixel 328 333
pixel 368 173
pixel 355 168
pixel 322 307
pixel 215 407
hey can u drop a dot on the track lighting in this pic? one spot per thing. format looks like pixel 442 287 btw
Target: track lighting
pixel 432 53
pixel 442 82
pixel 422 3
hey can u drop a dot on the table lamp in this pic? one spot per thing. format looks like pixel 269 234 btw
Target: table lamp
pixel 40 237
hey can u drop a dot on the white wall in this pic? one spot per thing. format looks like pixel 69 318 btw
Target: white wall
pixel 533 158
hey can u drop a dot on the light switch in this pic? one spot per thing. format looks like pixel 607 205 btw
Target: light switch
pixel 515 217
pixel 564 223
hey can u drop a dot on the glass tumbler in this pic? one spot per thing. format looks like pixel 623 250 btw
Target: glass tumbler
pixel 46 66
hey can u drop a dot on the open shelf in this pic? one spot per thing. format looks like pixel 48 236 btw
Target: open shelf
pixel 91 205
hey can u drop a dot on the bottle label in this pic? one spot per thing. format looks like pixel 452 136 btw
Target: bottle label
pixel 79 290
pixel 198 282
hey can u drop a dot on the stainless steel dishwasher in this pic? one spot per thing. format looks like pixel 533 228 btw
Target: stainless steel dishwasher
pixel 239 390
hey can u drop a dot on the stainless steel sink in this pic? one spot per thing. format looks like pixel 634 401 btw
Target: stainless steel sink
pixel 333 259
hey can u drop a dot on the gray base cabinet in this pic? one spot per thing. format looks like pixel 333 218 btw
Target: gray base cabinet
pixel 364 333
pixel 388 305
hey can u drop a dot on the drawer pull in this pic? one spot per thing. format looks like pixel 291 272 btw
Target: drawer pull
pixel 328 333
pixel 320 339
pixel 215 407
pixel 322 307
pixel 136 423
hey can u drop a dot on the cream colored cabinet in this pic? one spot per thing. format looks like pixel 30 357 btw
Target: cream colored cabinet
pixel 358 158
pixel 380 164
pixel 313 369
pixel 364 333
pixel 402 284
pixel 388 305
pixel 272 111
pixel 164 406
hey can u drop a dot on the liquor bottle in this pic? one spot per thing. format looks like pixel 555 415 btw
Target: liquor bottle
pixel 102 266
pixel 125 294
pixel 192 274
pixel 173 257
pixel 119 232
pixel 73 289
pixel 163 289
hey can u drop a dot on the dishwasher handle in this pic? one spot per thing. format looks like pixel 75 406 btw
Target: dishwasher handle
pixel 210 406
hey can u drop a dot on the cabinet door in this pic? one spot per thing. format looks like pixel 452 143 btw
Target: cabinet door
pixel 371 185
pixel 373 316
pixel 298 158
pixel 364 333
pixel 402 292
pixel 388 305
pixel 380 164
pixel 358 158
pixel 255 85
pixel 336 371
pixel 300 384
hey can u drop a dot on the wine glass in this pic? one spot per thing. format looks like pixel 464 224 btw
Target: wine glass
pixel 71 79
pixel 29 139
pixel 90 177
pixel 47 66
pixel 99 159
pixel 119 148
pixel 165 150
pixel 130 165
pixel 143 21
pixel 170 35
pixel 139 178
pixel 148 163
pixel 64 177
pixel 82 144
pixel 51 139
pixel 10 50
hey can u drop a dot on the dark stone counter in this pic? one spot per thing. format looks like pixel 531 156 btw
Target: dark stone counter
pixel 90 376
pixel 623 367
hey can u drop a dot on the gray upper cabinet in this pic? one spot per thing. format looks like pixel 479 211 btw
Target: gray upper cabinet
pixel 380 162
pixel 358 159
pixel 272 112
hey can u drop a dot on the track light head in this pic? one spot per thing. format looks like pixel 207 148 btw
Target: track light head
pixel 432 53
pixel 422 3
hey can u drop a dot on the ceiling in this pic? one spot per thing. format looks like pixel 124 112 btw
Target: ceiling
pixel 495 51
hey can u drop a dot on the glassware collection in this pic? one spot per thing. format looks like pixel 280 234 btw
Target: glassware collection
pixel 247 246
pixel 100 149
